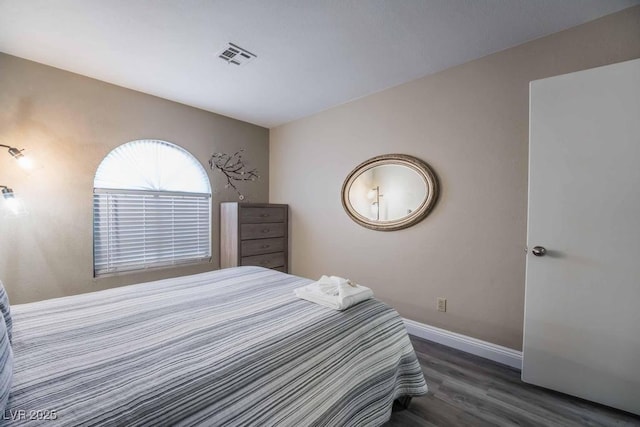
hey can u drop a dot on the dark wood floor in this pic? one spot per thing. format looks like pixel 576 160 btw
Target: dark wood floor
pixel 467 390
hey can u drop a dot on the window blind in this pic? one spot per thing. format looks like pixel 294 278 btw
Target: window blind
pixel 137 230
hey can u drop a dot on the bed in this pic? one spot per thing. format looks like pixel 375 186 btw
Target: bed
pixel 228 347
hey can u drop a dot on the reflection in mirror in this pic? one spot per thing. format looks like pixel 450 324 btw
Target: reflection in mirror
pixel 387 192
pixel 390 192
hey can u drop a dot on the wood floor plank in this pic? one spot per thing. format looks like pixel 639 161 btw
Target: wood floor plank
pixel 551 414
pixel 493 411
pixel 467 390
pixel 575 411
pixel 441 413
pixel 403 418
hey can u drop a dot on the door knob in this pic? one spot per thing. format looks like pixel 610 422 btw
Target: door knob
pixel 539 250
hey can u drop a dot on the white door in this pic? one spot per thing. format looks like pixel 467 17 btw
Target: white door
pixel 582 300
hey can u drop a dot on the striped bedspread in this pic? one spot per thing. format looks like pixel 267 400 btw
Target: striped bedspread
pixel 232 347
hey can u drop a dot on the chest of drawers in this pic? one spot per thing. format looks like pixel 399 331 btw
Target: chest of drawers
pixel 254 234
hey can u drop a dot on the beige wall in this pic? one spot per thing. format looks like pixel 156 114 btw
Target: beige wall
pixel 69 123
pixel 470 123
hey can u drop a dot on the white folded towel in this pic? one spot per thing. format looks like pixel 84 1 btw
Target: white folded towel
pixel 334 292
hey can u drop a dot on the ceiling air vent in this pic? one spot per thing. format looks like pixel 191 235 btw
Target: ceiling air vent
pixel 234 54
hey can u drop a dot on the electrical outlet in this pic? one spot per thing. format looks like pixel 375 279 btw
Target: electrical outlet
pixel 442 304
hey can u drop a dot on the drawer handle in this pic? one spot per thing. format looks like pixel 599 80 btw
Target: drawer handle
pixel 265 246
pixel 264 262
pixel 266 230
pixel 264 215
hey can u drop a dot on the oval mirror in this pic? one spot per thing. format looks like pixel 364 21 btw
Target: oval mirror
pixel 390 192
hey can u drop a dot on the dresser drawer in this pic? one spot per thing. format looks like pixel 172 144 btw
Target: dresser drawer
pixel 261 231
pixel 262 246
pixel 265 260
pixel 260 215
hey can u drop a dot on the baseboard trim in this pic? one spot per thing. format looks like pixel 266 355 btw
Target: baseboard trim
pixel 497 353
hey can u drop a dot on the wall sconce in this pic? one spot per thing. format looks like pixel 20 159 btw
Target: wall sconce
pixel 14 205
pixel 23 161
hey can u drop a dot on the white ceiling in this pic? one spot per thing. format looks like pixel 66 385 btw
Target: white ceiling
pixel 312 54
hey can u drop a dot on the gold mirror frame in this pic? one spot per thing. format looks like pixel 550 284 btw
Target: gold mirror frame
pixel 417 165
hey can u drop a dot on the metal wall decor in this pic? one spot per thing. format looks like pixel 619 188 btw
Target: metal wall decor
pixel 234 169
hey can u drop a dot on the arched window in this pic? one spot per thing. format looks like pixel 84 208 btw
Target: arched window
pixel 151 208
